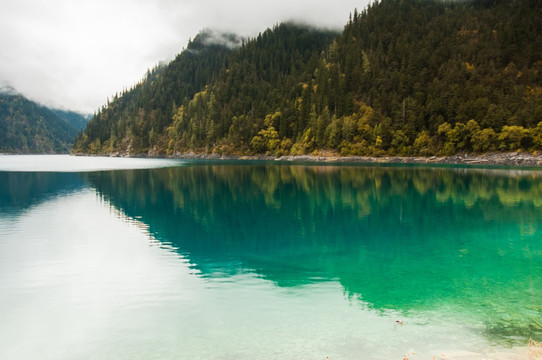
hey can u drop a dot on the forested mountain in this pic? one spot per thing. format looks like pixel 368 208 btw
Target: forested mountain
pixel 76 120
pixel 135 116
pixel 418 77
pixel 29 128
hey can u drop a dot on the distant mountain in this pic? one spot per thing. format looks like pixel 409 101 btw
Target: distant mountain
pixel 417 77
pixel 76 120
pixel 29 128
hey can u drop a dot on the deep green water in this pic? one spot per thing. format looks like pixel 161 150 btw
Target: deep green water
pixel 265 260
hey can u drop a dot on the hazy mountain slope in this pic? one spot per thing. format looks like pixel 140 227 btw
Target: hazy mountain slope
pixel 74 119
pixel 27 127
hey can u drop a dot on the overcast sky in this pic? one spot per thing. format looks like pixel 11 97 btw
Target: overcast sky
pixel 73 54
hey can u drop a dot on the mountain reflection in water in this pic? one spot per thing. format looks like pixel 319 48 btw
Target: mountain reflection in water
pixel 408 239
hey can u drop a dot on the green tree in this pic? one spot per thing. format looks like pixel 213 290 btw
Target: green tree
pixel 484 140
pixel 512 137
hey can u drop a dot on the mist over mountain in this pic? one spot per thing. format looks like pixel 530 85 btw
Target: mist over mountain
pixel 417 77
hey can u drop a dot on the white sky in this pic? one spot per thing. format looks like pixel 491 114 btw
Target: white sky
pixel 73 54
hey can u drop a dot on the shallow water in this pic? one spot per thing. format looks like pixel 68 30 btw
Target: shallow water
pixel 265 260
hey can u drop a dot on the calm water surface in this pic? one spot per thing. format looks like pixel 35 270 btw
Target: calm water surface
pixel 162 259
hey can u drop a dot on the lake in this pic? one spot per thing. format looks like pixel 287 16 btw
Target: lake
pixel 175 259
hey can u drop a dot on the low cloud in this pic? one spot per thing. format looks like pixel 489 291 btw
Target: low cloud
pixel 6 88
pixel 229 40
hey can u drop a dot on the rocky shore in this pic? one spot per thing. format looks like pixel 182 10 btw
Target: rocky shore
pixel 515 159
pixel 495 159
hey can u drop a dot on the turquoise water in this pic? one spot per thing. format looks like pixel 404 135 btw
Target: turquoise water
pixel 237 260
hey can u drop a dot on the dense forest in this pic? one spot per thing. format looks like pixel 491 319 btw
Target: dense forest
pixel 417 77
pixel 29 128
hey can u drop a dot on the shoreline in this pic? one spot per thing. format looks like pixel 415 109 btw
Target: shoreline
pixel 512 159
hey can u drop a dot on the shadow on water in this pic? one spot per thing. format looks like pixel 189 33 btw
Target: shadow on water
pixel 407 239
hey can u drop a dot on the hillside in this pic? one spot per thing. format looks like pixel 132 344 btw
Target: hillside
pixel 74 119
pixel 414 77
pixel 29 128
